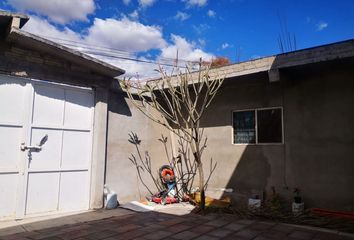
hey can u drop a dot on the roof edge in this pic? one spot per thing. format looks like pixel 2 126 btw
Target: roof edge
pixel 41 44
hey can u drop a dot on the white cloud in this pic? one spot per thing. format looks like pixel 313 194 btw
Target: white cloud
pixel 211 13
pixel 146 3
pixel 201 28
pixel 254 57
pixel 198 3
pixel 113 34
pixel 225 45
pixel 321 25
pixel 125 35
pixel 181 16
pixel 186 50
pixel 43 28
pixel 126 2
pixel 134 15
pixel 60 11
pixel 134 69
pixel 201 42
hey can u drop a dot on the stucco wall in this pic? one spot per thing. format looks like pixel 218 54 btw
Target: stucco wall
pixel 247 169
pixel 121 175
pixel 318 154
pixel 319 116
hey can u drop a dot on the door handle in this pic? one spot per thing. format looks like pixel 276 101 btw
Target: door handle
pixel 24 147
pixel 36 148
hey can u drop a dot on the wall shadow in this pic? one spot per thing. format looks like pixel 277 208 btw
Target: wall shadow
pixel 117 103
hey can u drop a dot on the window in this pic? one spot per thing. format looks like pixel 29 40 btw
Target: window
pixel 258 126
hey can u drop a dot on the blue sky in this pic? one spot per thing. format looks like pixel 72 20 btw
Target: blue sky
pixel 153 30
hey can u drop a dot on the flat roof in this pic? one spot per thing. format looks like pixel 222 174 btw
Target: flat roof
pixel 323 53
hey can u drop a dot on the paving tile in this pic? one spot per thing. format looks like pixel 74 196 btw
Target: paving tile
pixel 203 229
pixel 260 226
pixel 273 234
pixel 301 235
pixel 178 228
pixel 220 232
pixel 157 235
pixel 128 235
pixel 101 235
pixel 126 228
pixel 41 236
pixel 51 238
pixel 234 226
pixel 206 237
pixel 264 238
pixel 233 237
pixel 283 228
pixel 326 236
pixel 171 222
pixel 14 237
pixel 247 233
pixel 245 221
pixel 185 235
pixel 346 238
pixel 154 225
pixel 217 222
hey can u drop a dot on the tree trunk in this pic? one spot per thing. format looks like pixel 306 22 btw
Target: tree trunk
pixel 201 186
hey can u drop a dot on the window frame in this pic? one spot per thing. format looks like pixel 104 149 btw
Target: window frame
pixel 256 126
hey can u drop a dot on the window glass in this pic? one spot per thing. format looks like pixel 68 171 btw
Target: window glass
pixel 244 127
pixel 269 125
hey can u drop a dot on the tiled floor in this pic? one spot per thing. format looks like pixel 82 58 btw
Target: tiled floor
pixel 156 225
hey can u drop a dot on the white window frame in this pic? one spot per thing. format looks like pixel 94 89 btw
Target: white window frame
pixel 256 127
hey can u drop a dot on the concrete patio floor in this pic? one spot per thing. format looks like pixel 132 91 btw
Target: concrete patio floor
pixel 126 224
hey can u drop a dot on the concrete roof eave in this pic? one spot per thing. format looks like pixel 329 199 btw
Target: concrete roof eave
pixel 272 64
pixel 40 44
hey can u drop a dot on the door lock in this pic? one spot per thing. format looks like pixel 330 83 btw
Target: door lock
pixel 36 148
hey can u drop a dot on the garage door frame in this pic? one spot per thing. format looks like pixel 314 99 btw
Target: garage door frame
pixel 99 130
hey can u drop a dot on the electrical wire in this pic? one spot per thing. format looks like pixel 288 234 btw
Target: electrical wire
pixel 117 53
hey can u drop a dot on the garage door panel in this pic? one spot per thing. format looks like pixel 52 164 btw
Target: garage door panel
pixel 12 98
pixel 57 177
pixel 78 109
pixel 10 138
pixel 76 151
pixel 50 155
pixel 42 192
pixel 74 191
pixel 8 191
pixel 48 106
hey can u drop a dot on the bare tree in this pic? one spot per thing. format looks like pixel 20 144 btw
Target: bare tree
pixel 178 102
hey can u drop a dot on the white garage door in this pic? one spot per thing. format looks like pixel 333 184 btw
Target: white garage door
pixel 54 177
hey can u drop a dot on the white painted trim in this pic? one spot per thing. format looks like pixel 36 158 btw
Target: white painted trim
pixel 8 124
pixel 62 85
pixel 49 170
pixel 66 128
pixel 9 170
pixel 23 175
pixel 255 110
pixel 92 125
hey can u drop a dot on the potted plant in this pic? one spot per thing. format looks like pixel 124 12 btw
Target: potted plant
pixel 298 205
